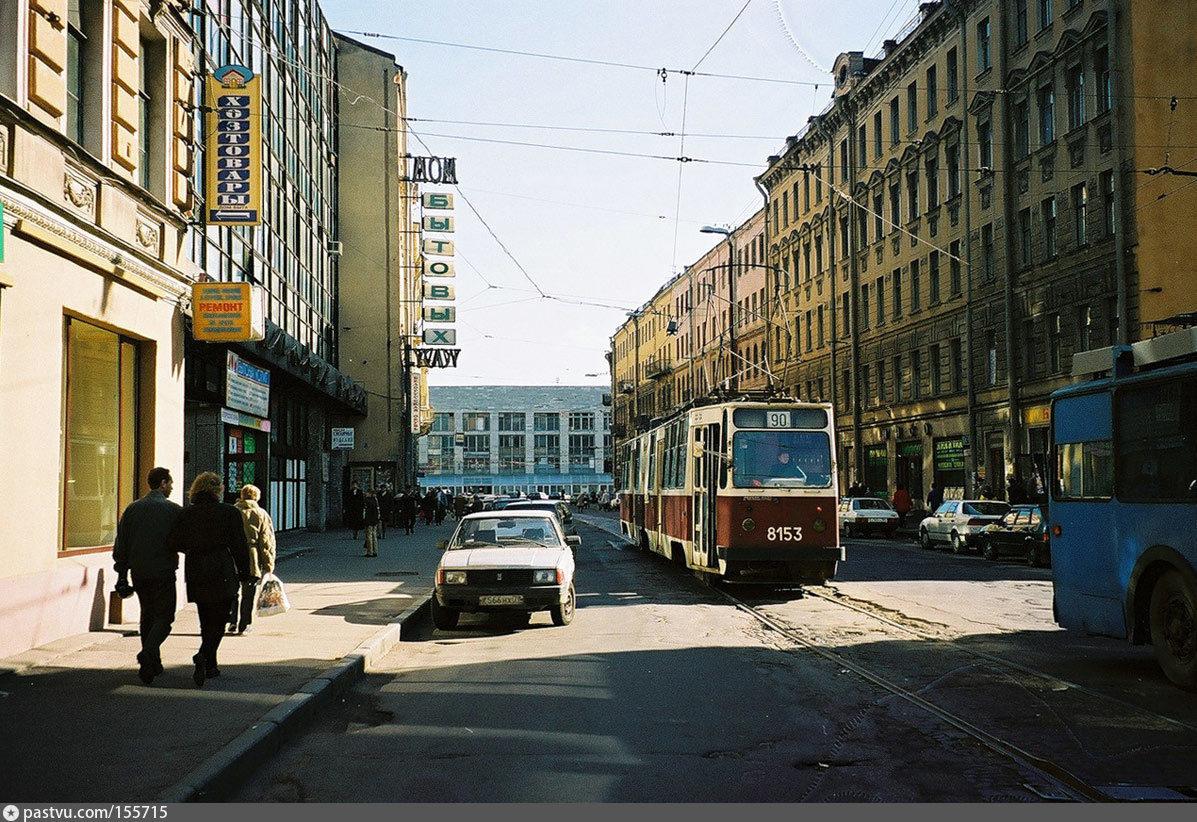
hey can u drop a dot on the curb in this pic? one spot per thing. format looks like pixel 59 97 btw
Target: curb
pixel 223 772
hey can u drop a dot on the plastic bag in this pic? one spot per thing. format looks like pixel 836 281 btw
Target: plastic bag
pixel 272 598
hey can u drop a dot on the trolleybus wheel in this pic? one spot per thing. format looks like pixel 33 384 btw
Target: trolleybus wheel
pixel 924 539
pixel 442 617
pixel 563 612
pixel 1174 628
pixel 958 545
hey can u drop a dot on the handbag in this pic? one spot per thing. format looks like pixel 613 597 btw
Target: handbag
pixel 272 597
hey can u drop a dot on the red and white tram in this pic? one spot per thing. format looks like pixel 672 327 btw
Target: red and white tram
pixel 741 491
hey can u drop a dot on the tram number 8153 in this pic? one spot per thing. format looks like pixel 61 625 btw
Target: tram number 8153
pixel 785 533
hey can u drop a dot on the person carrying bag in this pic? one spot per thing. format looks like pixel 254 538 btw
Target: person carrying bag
pixel 259 532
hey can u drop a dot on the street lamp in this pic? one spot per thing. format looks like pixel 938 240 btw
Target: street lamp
pixel 732 379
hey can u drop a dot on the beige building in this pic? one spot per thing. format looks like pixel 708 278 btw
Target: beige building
pixel 95 159
pixel 380 284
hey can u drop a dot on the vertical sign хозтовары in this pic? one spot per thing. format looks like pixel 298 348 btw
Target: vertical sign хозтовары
pixel 234 147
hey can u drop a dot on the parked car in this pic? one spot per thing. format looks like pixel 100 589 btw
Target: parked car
pixel 1021 532
pixel 560 509
pixel 508 561
pixel 959 523
pixel 860 516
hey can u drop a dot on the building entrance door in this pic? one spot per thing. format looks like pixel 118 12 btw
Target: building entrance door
pixel 910 469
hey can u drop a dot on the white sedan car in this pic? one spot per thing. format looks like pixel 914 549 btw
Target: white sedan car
pixel 867 515
pixel 505 561
pixel 960 523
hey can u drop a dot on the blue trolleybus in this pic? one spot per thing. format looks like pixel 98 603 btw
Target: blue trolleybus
pixel 1123 512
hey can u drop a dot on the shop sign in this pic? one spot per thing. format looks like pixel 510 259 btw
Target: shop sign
pixel 949 454
pixel 231 417
pixel 247 387
pixel 440 314
pixel 342 439
pixel 911 449
pixel 434 170
pixel 433 245
pixel 1037 415
pixel 436 291
pixel 439 268
pixel 876 455
pixel 234 147
pixel 227 312
pixel 433 223
pixel 434 357
pixel 440 202
pixel 440 336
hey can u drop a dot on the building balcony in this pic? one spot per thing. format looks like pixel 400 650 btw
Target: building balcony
pixel 658 367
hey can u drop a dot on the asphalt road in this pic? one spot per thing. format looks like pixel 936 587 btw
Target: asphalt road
pixel 661 690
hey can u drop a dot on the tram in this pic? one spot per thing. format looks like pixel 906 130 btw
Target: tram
pixel 739 491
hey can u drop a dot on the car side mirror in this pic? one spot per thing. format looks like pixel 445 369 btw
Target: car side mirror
pixel 442 544
pixel 573 540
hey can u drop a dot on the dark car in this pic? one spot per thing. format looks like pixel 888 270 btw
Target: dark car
pixel 1021 532
pixel 564 515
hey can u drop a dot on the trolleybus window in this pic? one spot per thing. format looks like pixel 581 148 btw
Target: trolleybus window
pixel 1157 441
pixel 790 459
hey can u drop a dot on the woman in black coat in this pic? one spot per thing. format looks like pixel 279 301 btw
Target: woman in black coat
pixel 209 532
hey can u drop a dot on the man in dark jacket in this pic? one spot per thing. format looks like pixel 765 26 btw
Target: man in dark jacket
pixel 141 548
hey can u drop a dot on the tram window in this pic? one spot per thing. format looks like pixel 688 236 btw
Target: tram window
pixel 779 418
pixel 790 459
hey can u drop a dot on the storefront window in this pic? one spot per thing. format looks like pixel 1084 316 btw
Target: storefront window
pixel 949 463
pixel 101 433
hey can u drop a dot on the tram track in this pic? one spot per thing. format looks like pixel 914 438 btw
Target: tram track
pixel 1073 786
pixel 1046 689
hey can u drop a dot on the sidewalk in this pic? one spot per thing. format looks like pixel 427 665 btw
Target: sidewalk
pixel 79 725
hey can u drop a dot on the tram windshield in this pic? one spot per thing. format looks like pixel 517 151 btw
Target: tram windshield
pixel 781 459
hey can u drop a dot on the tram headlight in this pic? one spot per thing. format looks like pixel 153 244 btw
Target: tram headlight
pixel 820 525
pixel 749 524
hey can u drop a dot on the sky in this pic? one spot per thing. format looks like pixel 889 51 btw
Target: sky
pixel 571 208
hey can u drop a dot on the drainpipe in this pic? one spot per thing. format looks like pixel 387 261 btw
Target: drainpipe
pixel 1014 409
pixel 1120 226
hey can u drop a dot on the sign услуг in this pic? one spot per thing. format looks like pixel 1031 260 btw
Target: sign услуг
pixel 247 387
pixel 342 439
pixel 227 312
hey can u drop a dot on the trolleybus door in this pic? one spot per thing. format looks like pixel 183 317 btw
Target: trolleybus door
pixel 706 483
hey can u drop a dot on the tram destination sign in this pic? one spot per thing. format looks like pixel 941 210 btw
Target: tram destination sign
pixel 234 147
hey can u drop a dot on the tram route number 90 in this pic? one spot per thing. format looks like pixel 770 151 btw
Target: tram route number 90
pixel 784 533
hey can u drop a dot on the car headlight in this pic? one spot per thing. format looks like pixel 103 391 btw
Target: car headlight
pixel 547 576
pixel 452 577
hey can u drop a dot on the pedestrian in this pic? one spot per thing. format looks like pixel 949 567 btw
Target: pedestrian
pixel 355 504
pixel 259 533
pixel 460 502
pixel 934 498
pixel 370 518
pixel 442 505
pixel 143 549
pixel 408 506
pixel 902 504
pixel 1016 493
pixel 428 506
pixel 212 536
pixel 386 509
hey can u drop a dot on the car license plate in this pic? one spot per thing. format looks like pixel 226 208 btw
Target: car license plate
pixel 505 599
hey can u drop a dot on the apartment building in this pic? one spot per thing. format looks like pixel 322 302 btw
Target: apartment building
pixel 96 153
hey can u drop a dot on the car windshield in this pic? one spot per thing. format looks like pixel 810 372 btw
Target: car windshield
pixel 986 509
pixel 872 505
pixel 787 459
pixel 506 532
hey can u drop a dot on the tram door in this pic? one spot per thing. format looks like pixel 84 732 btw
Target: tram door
pixel 705 458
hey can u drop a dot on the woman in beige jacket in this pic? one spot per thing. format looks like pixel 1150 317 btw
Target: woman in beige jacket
pixel 259 533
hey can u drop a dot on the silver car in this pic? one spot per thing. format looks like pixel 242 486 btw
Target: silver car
pixel 959 523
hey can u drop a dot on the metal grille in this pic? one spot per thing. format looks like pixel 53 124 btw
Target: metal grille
pixel 500 578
